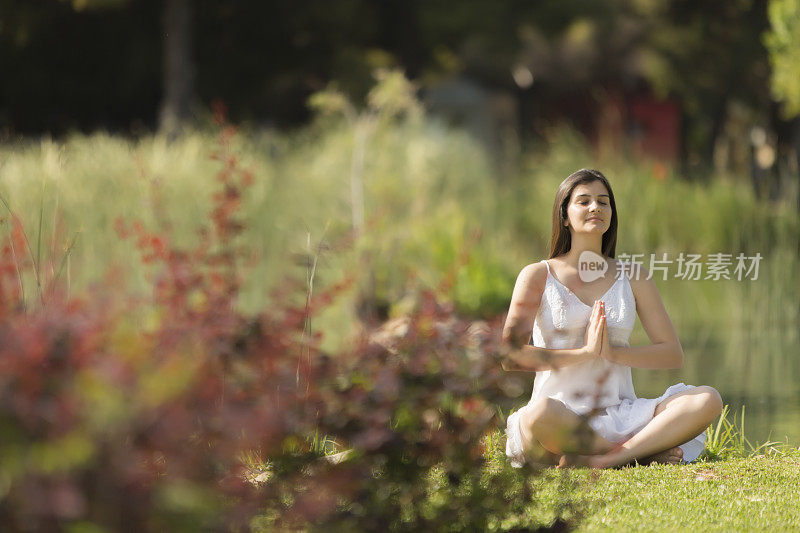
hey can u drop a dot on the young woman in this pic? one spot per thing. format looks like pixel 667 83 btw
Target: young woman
pixel 583 404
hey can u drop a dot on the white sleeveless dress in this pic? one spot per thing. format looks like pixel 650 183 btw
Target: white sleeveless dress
pixel 561 323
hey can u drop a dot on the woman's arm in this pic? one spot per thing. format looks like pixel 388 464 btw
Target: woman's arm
pixel 665 350
pixel 525 301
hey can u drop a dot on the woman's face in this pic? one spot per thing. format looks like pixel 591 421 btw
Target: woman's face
pixel 589 209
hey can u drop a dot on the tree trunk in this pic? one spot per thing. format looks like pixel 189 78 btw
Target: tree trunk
pixel 178 66
pixel 796 145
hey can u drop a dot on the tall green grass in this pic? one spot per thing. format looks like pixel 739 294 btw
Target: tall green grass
pixel 427 190
pixel 725 439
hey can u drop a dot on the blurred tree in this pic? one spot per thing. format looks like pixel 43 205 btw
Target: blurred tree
pixel 393 95
pixel 570 55
pixel 558 58
pixel 783 43
pixel 65 68
pixel 121 81
pixel 707 54
pixel 178 65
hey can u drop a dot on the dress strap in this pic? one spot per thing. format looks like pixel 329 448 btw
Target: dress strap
pixel 547 264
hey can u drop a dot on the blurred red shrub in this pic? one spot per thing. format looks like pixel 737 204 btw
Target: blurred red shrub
pixel 137 417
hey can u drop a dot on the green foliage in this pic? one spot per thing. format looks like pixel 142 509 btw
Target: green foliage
pixel 392 95
pixel 783 43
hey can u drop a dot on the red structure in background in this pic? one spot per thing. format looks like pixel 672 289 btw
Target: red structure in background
pixel 650 126
pixel 659 127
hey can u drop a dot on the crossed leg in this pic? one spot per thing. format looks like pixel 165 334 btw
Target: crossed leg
pixel 677 419
pixel 550 430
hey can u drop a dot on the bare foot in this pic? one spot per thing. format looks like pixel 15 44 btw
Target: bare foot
pixel 673 456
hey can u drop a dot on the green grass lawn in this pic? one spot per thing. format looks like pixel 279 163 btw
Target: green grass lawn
pixel 735 486
pixel 758 493
pixel 745 494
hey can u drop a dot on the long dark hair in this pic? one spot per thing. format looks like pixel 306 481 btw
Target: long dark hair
pixel 561 239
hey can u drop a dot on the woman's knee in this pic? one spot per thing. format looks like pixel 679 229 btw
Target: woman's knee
pixel 711 400
pixel 702 399
pixel 541 412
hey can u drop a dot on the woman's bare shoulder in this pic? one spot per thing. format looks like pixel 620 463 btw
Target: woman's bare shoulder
pixel 534 272
pixel 531 279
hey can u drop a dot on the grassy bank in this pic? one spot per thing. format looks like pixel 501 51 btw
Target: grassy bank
pixel 734 486
pixel 752 494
